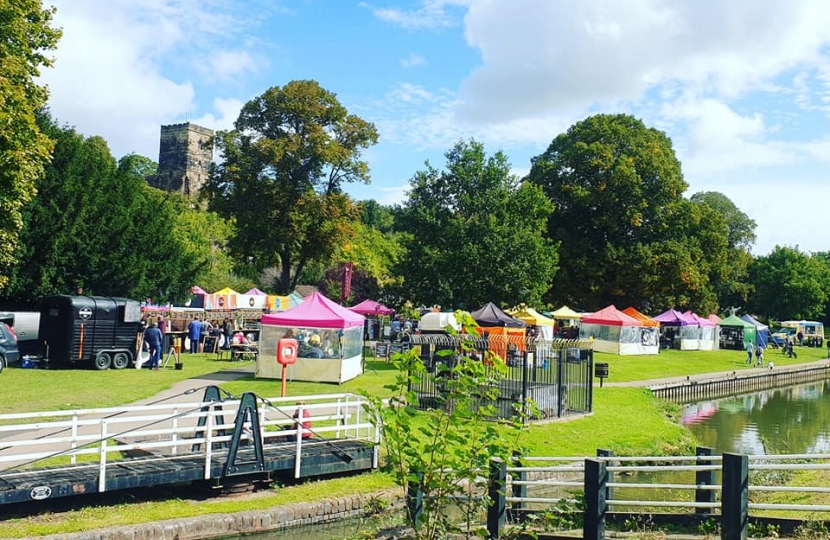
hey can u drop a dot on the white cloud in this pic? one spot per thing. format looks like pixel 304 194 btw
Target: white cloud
pixel 227 64
pixel 413 60
pixel 542 56
pixel 432 14
pixel 111 74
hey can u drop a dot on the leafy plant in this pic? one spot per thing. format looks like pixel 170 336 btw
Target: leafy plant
pixel 709 527
pixel 442 455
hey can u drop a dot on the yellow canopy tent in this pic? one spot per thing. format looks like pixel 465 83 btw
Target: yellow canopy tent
pixel 566 313
pixel 227 290
pixel 533 318
pixel 565 318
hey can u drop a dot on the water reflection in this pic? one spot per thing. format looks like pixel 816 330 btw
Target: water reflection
pixel 790 420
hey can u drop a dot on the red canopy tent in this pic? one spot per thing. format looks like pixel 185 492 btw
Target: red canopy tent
pixel 618 333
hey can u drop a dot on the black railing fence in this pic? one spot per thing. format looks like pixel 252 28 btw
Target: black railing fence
pixel 555 375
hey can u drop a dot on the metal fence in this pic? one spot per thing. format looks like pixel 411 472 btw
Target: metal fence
pixel 554 375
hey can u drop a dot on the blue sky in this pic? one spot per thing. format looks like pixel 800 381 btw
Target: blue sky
pixel 741 87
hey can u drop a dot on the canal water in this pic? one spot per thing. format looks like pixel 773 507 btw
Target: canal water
pixel 789 420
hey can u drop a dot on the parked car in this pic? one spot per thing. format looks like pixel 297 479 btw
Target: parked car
pixel 9 353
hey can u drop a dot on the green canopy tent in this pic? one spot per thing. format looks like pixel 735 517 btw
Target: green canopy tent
pixel 736 332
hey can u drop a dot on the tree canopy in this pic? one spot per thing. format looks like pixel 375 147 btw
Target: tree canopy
pixel 26 38
pixel 284 165
pixel 475 233
pixel 121 237
pixel 626 233
pixel 789 284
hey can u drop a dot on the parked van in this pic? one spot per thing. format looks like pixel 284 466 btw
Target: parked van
pixel 812 331
pixel 25 326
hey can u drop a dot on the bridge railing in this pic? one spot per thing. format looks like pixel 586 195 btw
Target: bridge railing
pixel 607 487
pixel 176 430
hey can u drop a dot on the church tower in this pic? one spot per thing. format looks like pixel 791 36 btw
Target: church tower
pixel 185 155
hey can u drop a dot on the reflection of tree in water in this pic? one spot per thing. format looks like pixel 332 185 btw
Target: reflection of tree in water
pixel 782 421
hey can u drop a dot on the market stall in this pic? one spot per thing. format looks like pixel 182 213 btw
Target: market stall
pixel 679 331
pixel 617 333
pixel 330 341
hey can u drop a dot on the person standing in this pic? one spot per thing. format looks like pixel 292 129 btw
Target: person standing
pixel 194 332
pixel 153 338
pixel 759 356
pixel 162 324
pixel 749 350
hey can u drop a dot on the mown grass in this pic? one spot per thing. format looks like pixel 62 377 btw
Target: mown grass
pixel 27 390
pixel 627 420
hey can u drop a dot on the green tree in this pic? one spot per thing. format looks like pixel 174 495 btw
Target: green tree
pixel 281 178
pixel 25 39
pixel 734 289
pixel 475 233
pixel 626 233
pixel 444 450
pixel 788 284
pixel 120 239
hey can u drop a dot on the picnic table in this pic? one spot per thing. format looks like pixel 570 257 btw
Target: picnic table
pixel 249 351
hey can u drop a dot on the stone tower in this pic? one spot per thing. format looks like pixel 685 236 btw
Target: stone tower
pixel 185 155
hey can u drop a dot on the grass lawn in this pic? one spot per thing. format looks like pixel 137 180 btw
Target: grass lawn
pixel 28 390
pixel 627 420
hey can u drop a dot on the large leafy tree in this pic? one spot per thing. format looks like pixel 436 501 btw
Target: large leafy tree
pixel 734 289
pixel 284 165
pixel 25 39
pixel 121 237
pixel 626 233
pixel 475 233
pixel 788 284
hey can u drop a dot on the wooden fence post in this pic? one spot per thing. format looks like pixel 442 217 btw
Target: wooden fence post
pixel 704 478
pixel 735 497
pixel 497 492
pixel 596 478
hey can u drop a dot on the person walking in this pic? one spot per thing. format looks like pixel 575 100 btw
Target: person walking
pixel 759 356
pixel 153 338
pixel 194 332
pixel 749 350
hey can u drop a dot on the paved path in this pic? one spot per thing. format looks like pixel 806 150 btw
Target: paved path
pixel 196 385
pixel 717 375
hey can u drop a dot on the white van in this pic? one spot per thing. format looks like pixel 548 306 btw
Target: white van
pixel 25 325
pixel 812 331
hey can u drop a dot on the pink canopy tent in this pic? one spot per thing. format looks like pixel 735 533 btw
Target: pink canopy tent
pixel 316 311
pixel 714 318
pixel 370 307
pixel 256 292
pixel 699 319
pixel 335 332
pixel 197 290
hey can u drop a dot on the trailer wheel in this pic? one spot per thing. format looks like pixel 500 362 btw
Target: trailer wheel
pixel 103 361
pixel 2 363
pixel 120 360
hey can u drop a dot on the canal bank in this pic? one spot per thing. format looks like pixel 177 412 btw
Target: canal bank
pixel 224 524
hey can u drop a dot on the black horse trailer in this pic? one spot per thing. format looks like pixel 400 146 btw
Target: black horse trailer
pixel 96 330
